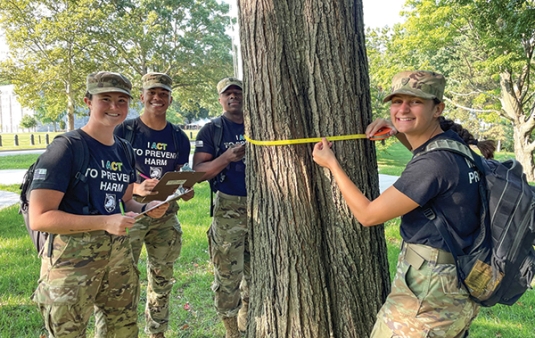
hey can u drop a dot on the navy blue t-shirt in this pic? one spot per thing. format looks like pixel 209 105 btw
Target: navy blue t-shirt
pixel 155 150
pixel 234 173
pixel 448 182
pixel 108 175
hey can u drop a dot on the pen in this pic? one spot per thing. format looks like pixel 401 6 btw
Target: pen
pixel 122 211
pixel 143 175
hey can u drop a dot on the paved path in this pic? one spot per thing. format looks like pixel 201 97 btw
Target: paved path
pixel 14 176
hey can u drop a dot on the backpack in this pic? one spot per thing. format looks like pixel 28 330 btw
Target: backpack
pixel 500 265
pixel 79 147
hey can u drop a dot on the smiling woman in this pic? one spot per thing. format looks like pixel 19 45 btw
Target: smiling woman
pixel 81 209
pixel 430 180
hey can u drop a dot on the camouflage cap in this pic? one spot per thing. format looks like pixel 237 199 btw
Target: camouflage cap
pixel 157 80
pixel 227 82
pixel 419 83
pixel 106 82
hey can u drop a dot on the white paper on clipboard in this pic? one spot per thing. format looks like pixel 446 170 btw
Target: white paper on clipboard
pixel 173 197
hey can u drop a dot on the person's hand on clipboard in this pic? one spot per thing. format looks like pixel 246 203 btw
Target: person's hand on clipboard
pixel 157 212
pixel 158 205
pixel 189 195
pixel 146 187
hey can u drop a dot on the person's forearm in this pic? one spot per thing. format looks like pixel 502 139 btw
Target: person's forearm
pixel 63 223
pixel 212 168
pixel 133 205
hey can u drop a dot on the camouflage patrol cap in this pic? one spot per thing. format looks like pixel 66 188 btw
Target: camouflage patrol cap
pixel 419 83
pixel 157 80
pixel 106 82
pixel 227 82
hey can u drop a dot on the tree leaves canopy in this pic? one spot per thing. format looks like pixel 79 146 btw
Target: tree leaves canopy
pixel 55 44
pixel 482 47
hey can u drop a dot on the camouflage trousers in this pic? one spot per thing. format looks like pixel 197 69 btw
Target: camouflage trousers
pixel 425 301
pixel 229 252
pixel 163 241
pixel 87 271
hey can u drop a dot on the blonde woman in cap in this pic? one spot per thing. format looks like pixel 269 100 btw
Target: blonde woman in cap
pixel 89 264
pixel 425 300
pixel 160 147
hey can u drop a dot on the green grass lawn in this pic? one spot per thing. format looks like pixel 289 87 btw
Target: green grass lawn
pixel 24 140
pixel 192 312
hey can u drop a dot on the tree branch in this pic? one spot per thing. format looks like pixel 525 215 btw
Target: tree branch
pixel 473 110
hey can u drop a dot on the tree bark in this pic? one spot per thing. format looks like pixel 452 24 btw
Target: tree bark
pixel 523 124
pixel 315 271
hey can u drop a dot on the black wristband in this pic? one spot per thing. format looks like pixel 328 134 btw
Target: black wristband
pixel 143 207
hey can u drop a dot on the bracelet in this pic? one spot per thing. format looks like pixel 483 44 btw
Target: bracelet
pixel 143 207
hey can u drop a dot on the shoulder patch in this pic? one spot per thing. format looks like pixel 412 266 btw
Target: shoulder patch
pixel 199 144
pixel 39 174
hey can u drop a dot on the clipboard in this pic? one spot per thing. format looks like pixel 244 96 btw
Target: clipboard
pixel 173 197
pixel 170 181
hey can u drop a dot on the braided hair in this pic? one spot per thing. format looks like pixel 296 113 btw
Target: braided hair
pixel 486 147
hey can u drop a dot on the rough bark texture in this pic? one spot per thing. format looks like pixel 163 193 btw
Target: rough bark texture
pixel 316 271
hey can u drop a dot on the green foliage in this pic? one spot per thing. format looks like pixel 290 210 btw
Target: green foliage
pixel 46 65
pixel 28 122
pixel 486 50
pixel 185 39
pixel 54 45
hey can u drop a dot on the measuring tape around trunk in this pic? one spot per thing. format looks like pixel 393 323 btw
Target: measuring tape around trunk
pixel 381 134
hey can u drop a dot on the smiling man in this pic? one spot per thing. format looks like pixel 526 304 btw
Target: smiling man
pixel 160 147
pixel 223 160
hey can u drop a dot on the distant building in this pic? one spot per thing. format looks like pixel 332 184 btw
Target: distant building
pixel 11 112
pixel 197 124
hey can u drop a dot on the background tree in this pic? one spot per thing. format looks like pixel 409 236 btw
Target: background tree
pixel 184 38
pixel 486 51
pixel 316 272
pixel 54 45
pixel 28 122
pixel 45 62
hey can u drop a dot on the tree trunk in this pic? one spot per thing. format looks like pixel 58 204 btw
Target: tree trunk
pixel 522 125
pixel 315 271
pixel 70 110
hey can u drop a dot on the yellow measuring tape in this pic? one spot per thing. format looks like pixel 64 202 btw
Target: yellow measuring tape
pixel 380 135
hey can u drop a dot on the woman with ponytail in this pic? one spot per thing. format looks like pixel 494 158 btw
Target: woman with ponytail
pixel 426 299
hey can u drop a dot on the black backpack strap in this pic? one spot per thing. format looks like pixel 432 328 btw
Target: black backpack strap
pixel 128 129
pixel 128 150
pixel 81 163
pixel 177 135
pixel 217 136
pixel 439 220
pixel 457 148
pixel 436 216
